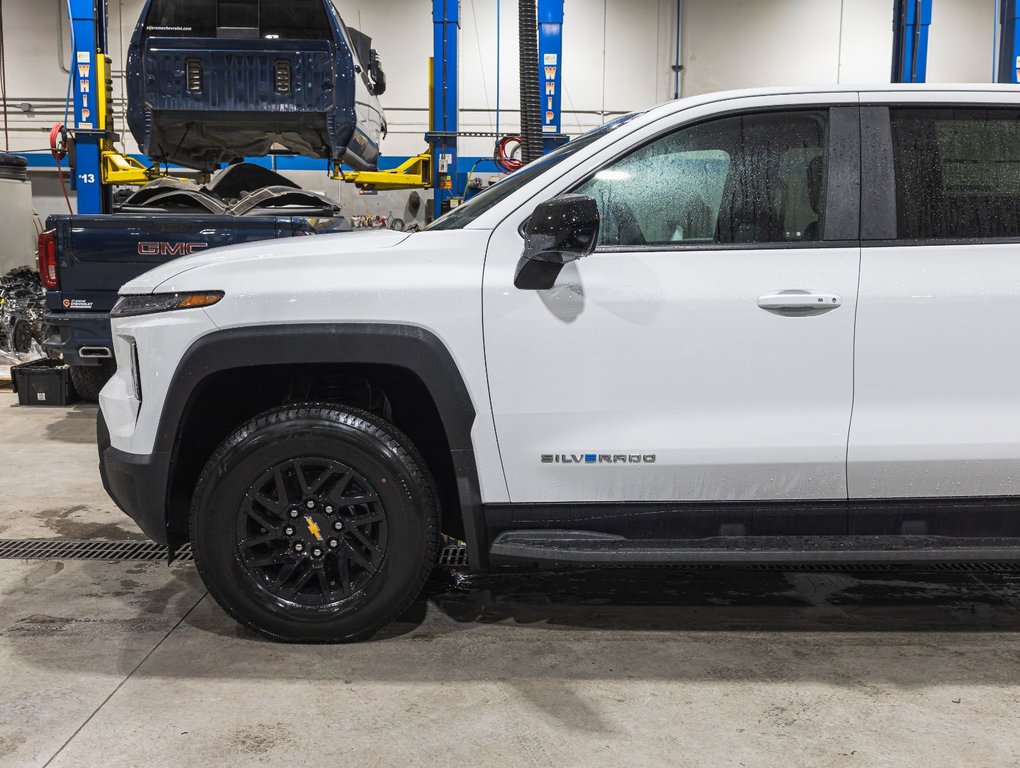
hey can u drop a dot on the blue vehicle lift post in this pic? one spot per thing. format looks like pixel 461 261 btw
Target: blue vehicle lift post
pixel 1008 69
pixel 911 20
pixel 446 26
pixel 88 25
pixel 550 68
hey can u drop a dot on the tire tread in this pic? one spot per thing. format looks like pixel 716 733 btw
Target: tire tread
pixel 374 426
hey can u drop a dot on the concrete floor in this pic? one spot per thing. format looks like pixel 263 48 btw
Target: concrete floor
pixel 125 664
pixel 49 481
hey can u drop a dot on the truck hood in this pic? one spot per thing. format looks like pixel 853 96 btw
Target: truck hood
pixel 266 251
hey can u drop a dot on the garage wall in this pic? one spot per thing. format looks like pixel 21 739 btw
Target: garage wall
pixel 962 41
pixel 739 44
pixel 617 58
pixel 749 43
pixel 617 54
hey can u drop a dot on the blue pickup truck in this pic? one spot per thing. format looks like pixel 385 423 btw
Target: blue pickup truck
pixel 83 261
pixel 210 81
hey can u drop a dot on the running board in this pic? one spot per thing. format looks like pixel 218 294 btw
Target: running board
pixel 557 547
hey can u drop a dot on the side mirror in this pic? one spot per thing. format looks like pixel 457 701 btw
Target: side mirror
pixel 560 231
pixel 375 71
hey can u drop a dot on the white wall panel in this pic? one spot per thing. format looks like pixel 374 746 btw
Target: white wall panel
pixel 865 45
pixel 747 43
pixel 961 41
pixel 617 54
pixel 739 44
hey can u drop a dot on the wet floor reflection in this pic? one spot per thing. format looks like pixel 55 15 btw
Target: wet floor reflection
pixel 738 600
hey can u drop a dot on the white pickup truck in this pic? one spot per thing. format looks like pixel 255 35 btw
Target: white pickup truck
pixel 743 328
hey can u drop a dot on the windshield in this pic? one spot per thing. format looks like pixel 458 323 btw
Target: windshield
pixel 462 215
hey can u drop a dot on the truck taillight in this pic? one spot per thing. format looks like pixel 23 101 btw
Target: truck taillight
pixel 196 76
pixel 282 77
pixel 48 260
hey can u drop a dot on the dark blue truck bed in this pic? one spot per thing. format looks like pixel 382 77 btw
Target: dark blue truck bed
pixel 95 255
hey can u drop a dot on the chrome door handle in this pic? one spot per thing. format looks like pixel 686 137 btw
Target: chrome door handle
pixel 798 302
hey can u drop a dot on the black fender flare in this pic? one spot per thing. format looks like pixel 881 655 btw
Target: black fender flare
pixel 413 348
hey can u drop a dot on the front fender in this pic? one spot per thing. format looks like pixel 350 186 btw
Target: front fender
pixel 409 347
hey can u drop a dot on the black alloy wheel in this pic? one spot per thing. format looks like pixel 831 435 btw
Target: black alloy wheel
pixel 311 531
pixel 315 523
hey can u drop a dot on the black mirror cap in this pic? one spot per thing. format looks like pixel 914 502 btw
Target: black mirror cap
pixel 533 275
pixel 560 231
pixel 563 229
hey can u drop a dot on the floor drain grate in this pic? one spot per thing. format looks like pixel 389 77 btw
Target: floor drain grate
pixel 453 556
pixel 65 549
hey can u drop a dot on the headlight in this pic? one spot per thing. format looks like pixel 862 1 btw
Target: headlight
pixel 148 303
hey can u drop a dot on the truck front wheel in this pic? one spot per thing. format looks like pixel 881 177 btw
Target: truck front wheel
pixel 315 523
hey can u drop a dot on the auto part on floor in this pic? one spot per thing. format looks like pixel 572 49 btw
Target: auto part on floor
pixel 193 201
pixel 13 168
pixel 141 196
pixel 22 306
pixel 285 201
pixel 241 179
pixel 242 189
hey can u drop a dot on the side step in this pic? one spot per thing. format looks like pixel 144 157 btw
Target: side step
pixel 557 547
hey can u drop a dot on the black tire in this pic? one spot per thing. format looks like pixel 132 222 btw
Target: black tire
pixel 13 167
pixel 339 465
pixel 22 336
pixel 89 380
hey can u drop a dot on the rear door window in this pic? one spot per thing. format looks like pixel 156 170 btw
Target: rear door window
pixel 957 173
pixel 181 18
pixel 291 20
pixel 295 20
pixel 237 14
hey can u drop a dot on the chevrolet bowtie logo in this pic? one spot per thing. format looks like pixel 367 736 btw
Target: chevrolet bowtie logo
pixel 313 528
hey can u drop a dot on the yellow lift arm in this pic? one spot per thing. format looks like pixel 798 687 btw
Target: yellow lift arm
pixel 413 173
pixel 116 167
pixel 122 169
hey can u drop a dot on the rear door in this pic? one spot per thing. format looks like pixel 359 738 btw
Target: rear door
pixel 937 378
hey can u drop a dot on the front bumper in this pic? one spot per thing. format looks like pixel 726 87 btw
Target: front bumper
pixel 136 483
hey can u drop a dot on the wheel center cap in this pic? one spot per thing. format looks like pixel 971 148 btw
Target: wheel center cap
pixel 313 527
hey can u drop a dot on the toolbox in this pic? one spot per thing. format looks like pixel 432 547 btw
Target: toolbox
pixel 43 382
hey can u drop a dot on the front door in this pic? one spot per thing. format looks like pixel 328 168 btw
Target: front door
pixel 705 350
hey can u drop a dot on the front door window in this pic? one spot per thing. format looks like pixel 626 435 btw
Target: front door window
pixel 748 179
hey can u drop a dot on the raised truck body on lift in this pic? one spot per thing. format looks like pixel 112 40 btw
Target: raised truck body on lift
pixel 210 82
